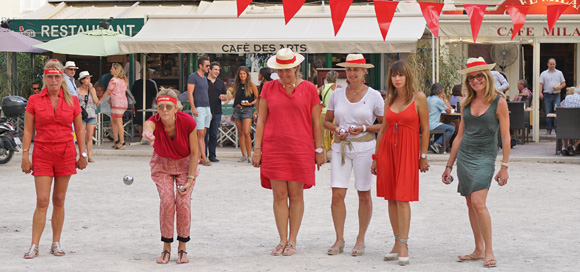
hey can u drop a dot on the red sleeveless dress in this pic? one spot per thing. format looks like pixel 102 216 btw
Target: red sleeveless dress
pixel 398 156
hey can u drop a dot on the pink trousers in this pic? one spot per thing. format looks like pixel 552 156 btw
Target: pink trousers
pixel 167 173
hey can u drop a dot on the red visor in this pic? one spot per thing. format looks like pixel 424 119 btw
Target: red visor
pixel 52 71
pixel 166 98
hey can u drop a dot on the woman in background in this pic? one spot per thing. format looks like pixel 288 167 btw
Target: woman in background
pixel 325 92
pixel 117 88
pixel 245 94
pixel 87 98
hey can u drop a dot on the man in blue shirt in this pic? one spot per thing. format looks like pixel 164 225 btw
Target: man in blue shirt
pixel 198 97
pixel 438 104
pixel 70 69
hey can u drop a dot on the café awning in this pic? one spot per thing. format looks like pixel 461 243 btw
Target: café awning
pixel 266 33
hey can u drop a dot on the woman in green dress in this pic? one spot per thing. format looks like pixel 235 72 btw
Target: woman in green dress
pixel 484 112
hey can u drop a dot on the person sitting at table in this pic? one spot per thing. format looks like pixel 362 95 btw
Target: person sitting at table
pixel 456 95
pixel 437 104
pixel 525 94
pixel 571 101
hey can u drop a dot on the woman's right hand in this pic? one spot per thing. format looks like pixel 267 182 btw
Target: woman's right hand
pixel 26 165
pixel 446 175
pixel 374 168
pixel 256 158
pixel 148 136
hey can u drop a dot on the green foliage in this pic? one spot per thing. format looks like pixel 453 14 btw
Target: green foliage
pixel 27 73
pixel 422 61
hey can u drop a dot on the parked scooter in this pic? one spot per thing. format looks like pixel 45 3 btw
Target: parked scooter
pixel 8 142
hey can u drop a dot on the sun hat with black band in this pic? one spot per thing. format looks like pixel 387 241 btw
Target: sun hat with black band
pixel 70 65
pixel 476 64
pixel 84 74
pixel 355 60
pixel 285 58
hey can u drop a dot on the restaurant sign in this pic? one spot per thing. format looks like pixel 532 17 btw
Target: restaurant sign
pixel 46 30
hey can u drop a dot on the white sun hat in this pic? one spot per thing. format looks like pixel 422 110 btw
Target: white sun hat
pixel 71 65
pixel 284 59
pixel 355 60
pixel 476 64
pixel 84 74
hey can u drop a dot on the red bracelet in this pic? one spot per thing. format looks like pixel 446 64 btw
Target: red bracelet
pixel 375 158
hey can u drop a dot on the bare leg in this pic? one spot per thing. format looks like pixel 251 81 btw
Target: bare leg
pixel 338 209
pixel 43 186
pixel 90 131
pixel 478 199
pixel 247 124
pixel 281 212
pixel 120 130
pixel 365 212
pixel 394 219
pixel 404 213
pixel 479 251
pixel 201 143
pixel 241 136
pixel 296 207
pixel 58 197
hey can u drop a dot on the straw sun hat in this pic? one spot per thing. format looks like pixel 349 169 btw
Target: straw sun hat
pixel 285 59
pixel 355 60
pixel 476 64
pixel 84 74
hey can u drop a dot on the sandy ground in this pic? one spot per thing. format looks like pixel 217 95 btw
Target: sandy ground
pixel 110 226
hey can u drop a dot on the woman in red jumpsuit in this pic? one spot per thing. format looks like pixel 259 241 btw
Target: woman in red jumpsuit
pixel 51 113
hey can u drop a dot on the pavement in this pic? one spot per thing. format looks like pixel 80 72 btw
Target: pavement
pixel 111 226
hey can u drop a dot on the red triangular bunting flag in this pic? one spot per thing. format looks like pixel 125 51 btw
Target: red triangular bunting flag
pixel 291 7
pixel 431 12
pixel 553 13
pixel 385 10
pixel 242 5
pixel 338 9
pixel 518 14
pixel 475 13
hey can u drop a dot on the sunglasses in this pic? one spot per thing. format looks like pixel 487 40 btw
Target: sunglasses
pixel 479 77
pixel 168 107
pixel 36 88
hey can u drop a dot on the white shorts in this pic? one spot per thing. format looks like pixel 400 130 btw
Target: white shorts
pixel 203 117
pixel 358 159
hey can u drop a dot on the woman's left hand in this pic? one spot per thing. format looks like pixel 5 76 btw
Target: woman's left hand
pixel 423 165
pixel 320 158
pixel 82 163
pixel 188 186
pixel 503 176
pixel 356 130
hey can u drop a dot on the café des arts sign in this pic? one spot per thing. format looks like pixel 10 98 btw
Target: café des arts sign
pixel 534 27
pixel 46 30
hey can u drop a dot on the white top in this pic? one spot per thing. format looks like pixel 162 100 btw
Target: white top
pixel 551 79
pixel 499 81
pixel 363 112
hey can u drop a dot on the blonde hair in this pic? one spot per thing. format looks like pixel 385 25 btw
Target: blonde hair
pixel 400 68
pixel 171 93
pixel 55 64
pixel 490 91
pixel 119 72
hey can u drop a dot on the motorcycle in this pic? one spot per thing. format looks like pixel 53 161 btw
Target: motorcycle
pixel 8 142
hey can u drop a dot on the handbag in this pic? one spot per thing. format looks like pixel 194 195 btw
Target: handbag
pixel 130 98
pixel 84 112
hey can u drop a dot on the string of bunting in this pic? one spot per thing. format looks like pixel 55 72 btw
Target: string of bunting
pixel 385 11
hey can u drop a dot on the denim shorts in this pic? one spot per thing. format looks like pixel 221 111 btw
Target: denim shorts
pixel 90 121
pixel 243 113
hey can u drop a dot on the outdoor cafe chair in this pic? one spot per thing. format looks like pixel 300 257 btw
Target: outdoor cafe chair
pixel 568 125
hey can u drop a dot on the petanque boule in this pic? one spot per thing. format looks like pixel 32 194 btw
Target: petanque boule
pixel 128 179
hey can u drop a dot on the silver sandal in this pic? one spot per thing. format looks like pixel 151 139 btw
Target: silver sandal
pixel 32 252
pixel 56 250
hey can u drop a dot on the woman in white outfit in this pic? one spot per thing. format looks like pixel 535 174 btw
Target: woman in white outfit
pixel 353 108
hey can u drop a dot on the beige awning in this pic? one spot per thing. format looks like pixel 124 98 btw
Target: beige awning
pixel 266 33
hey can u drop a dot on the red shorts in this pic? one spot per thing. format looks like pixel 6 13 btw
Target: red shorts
pixel 54 159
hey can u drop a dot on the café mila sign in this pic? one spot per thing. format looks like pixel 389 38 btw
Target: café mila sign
pixel 46 30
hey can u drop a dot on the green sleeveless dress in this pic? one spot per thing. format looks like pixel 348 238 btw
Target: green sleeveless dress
pixel 478 150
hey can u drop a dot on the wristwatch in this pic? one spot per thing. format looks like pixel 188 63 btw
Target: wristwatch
pixel 84 155
pixel 423 156
pixel 319 150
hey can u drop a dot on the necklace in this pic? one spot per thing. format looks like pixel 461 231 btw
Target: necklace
pixel 355 91
pixel 293 84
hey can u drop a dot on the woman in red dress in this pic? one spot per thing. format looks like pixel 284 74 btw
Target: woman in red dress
pixel 400 154
pixel 50 114
pixel 289 116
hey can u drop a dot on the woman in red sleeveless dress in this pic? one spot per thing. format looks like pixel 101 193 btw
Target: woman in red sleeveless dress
pixel 400 154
